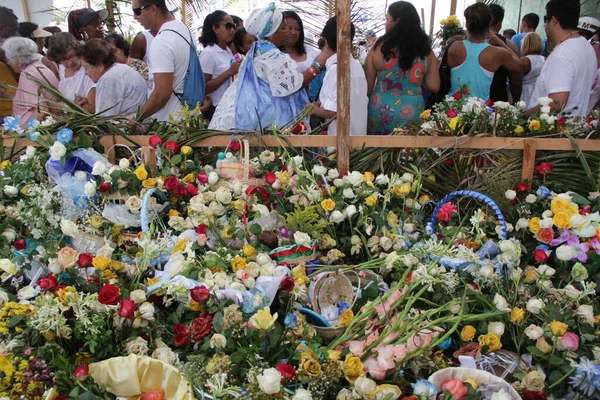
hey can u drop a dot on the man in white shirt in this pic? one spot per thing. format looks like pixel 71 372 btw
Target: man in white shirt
pixel 568 74
pixel 326 107
pixel 168 57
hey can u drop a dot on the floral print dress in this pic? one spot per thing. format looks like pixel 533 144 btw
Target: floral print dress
pixel 397 98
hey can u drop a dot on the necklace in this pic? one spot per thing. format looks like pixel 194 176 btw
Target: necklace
pixel 565 38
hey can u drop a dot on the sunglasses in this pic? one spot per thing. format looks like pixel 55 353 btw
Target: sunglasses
pixel 594 41
pixel 228 25
pixel 138 11
pixel 547 18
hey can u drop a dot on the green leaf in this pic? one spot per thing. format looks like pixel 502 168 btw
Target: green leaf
pixel 255 229
pixel 556 360
pixel 218 322
pixel 87 396
pixel 14 321
pixel 176 159
pixel 535 351
pixel 237 357
pixel 240 234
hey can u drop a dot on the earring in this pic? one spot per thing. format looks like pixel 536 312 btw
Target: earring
pixel 85 36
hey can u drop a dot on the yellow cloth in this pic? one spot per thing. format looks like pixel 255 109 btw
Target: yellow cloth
pixel 131 377
pixel 7 78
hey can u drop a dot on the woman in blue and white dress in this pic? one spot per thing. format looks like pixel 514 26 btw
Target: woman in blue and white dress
pixel 269 88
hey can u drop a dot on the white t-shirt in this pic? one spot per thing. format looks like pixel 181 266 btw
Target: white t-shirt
pixel 123 89
pixel 170 53
pixel 311 54
pixel 595 95
pixel 214 61
pixel 77 85
pixel 571 67
pixel 359 101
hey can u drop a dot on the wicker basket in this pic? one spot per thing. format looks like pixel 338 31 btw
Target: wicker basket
pixel 241 171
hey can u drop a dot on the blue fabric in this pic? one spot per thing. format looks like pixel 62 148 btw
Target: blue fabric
pixel 518 40
pixel 315 86
pixel 471 73
pixel 256 107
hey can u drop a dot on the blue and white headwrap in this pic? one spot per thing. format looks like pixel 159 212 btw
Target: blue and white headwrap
pixel 263 23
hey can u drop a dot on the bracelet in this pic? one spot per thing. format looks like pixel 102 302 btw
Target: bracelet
pixel 318 67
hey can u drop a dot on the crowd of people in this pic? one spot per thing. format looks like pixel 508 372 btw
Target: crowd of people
pixel 250 74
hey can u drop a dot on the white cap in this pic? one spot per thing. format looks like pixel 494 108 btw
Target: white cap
pixel 589 24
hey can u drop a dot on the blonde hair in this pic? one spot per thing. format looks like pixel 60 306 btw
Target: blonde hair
pixel 532 44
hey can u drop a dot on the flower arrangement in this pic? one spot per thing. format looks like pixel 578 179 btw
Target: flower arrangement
pixel 449 27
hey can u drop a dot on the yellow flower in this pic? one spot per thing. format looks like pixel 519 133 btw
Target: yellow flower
pixel 467 333
pixel 5 164
pixel 310 366
pixel 228 232
pixel 425 115
pixel 431 178
pixel 368 176
pixel 562 220
pixel 8 266
pixel 96 221
pixel 517 315
pixel 471 382
pixel 299 274
pixel 558 328
pixel 108 274
pixel 238 205
pixel 238 263
pixel 284 177
pixel 534 125
pixel 195 306
pixel 353 368
pixel 117 265
pixel 519 130
pixel 328 204
pixel 346 317
pixel 174 213
pixel 63 293
pixel 189 178
pixel 25 190
pixel 141 172
pixel 152 281
pixel 424 199
pixel 149 183
pixel 180 245
pixel 401 190
pixel 48 335
pixel 530 276
pixel 491 340
pixel 371 200
pixel 534 225
pixel 557 205
pixel 101 263
pixel 263 320
pixel 186 150
pixel 443 21
pixel 454 124
pixel 392 219
pixel 452 18
pixel 542 345
pixel 248 250
pixel 334 355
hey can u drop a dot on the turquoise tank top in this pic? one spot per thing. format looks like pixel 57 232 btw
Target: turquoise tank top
pixel 471 73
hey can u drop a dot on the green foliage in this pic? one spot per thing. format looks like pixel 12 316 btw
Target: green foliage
pixel 306 220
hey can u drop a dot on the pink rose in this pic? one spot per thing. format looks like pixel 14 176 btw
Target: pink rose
pixel 241 274
pixel 455 387
pixel 67 257
pixel 385 358
pixel 421 339
pixel 373 368
pixel 357 347
pixel 446 211
pixel 570 341
pixel 400 351
pixel 202 239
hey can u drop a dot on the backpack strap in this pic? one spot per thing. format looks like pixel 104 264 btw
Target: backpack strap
pixel 190 43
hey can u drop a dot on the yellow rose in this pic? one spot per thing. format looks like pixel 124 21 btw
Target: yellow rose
pixel 562 220
pixel 284 177
pixel 530 276
pixel 149 183
pixel 186 150
pixel 443 22
pixel 310 367
pixel 346 317
pixel 491 340
pixel 431 178
pixel 368 176
pixel 423 199
pixel 5 164
pixel 108 274
pixel 471 382
pixel 452 18
pixel 558 328
pixel 574 208
pixel 334 355
pixel 328 204
pixel 195 306
pixel 101 263
pixel 557 205
pixel 141 172
pixel 517 315
pixel 238 205
pixel 467 333
pixel 25 190
pixel 189 178
pixel 534 225
pixel 180 245
pixel 542 345
pixel 228 232
pixel 238 263
pixel 353 368
pixel 117 265
pixel 533 381
pixel 263 320
pixel 519 129
pixel 48 335
pixel 64 292
pixel 371 200
pixel 392 219
pixel 425 115
pixel 8 266
pixel 174 213
pixel 401 190
pixel 96 221
pixel 534 125
pixel 248 250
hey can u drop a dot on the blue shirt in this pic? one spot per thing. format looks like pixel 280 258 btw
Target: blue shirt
pixel 518 39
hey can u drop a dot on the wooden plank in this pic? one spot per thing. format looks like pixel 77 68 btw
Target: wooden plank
pixel 528 166
pixel 453 7
pixel 423 17
pixel 432 18
pixel 344 52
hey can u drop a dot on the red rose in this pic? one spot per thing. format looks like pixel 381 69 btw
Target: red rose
pixel 545 235
pixel 270 177
pixel 451 113
pixel 154 141
pixel 127 309
pixel 182 333
pixel 104 187
pixel 466 91
pixel 81 372
pixel 170 145
pixel 287 284
pixel 561 121
pixel 446 211
pixel 84 260
pixel 286 370
pixel 153 395
pixel 171 183
pixel 202 177
pixel 234 146
pixel 299 128
pixel 200 294
pixel 201 326
pixel 201 229
pixel 540 255
pixel 48 282
pixel 449 161
pixel 19 244
pixel 191 189
pixel 109 294
pixel 489 103
pixel 180 191
pixel 544 168
pixel 61 397
pixel 522 187
pixel 531 395
pixel 585 210
pixel 457 95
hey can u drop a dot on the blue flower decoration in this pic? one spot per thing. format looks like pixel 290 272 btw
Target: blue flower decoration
pixel 291 320
pixel 342 305
pixel 543 192
pixel 424 388
pixel 445 345
pixel 34 136
pixel 64 136
pixel 80 201
pixel 12 124
pixel 32 124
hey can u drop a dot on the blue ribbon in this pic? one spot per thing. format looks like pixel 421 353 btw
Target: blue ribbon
pixel 144 217
pixel 269 25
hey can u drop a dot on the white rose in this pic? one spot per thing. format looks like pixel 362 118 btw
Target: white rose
pixel 54 266
pixel 545 270
pixel 10 235
pixel 409 228
pixel 146 311
pixel 28 292
pixel 138 296
pixel 516 274
pixel 269 381
pixel 545 109
pixel 221 280
pixel 348 193
pixel 350 211
pixel 263 258
pixel 522 223
pixel 577 221
pixel 501 303
pixel 364 387
pixel 521 104
pixel 534 332
pixel 212 178
pixel 137 346
pixel 336 217
pixel 408 177
pixel 266 156
pixel 510 194
pixel 386 243
pixel 544 101
pixel 572 292
pixel 551 120
pixel 81 176
pixel 216 208
pixel 382 180
pixel 166 355
pixel 69 228
pixel 501 395
pixel 253 269
pixel 302 239
pixel 261 209
pixel 547 214
pixel 546 223
pixel 319 170
pixel 544 116
pixel 123 163
pixel 338 182
pixel 534 305
pixel 10 190
pixel 134 204
pixel 89 189
pixel 238 286
pixel 531 198
pixel 355 178
pixel 565 253
pixel 496 327
pixel 586 313
pixel 57 151
pixel 218 341
pixel 298 160
pixel 302 394
pixel 223 195
pixel 487 271
pixel 99 168
pixel 30 151
pixel 333 173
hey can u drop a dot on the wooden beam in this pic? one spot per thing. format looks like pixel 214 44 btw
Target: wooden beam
pixel 432 17
pixel 423 17
pixel 528 166
pixel 344 53
pixel 453 7
pixel 25 10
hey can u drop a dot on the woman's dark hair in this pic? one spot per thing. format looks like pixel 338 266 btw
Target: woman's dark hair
pixel 299 46
pixel 238 40
pixel 478 17
pixel 406 40
pixel 26 29
pixel 237 20
pixel 97 52
pixel 565 11
pixel 74 28
pixel 59 44
pixel 330 33
pixel 119 42
pixel 209 37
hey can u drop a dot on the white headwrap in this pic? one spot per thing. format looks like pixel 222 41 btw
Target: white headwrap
pixel 264 23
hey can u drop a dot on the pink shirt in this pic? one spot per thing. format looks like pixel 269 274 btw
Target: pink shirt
pixel 28 92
